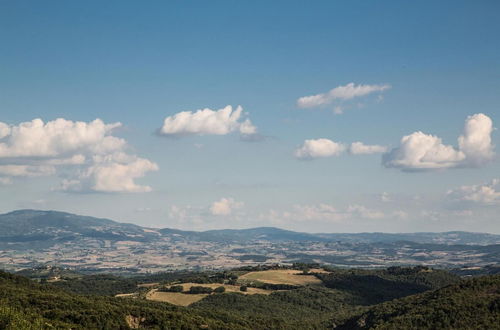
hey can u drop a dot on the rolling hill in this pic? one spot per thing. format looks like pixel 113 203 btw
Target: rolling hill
pixel 35 225
pixel 424 304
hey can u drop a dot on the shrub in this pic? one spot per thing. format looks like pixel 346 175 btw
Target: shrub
pixel 220 289
pixel 200 289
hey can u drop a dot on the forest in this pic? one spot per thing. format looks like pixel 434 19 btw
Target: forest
pixel 393 298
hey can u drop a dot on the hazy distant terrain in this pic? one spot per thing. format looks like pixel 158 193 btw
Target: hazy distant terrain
pixel 31 238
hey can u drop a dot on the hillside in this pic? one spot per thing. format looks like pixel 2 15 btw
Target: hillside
pixel 26 229
pixel 473 304
pixel 25 304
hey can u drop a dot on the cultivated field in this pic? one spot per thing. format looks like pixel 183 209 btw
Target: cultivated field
pixel 186 299
pixel 175 298
pixel 281 276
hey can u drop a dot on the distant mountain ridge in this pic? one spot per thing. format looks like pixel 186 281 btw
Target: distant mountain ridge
pixel 33 238
pixel 35 225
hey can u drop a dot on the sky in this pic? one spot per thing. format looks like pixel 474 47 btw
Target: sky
pixel 317 116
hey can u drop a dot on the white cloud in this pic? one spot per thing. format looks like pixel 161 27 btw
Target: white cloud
pixel 57 138
pixel 317 148
pixel 311 149
pixel 321 212
pixel 89 151
pixel 112 173
pixel 26 170
pixel 475 143
pixel 343 93
pixel 420 151
pixel 359 148
pixel 4 130
pixel 481 194
pixel 247 128
pixel 225 206
pixel 208 122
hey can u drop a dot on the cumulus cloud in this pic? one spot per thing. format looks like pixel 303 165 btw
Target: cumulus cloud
pixel 58 138
pixel 481 194
pixel 225 206
pixel 4 130
pixel 208 122
pixel 93 155
pixel 318 148
pixel 112 173
pixel 311 149
pixel 359 148
pixel 420 151
pixel 342 93
pixel 475 142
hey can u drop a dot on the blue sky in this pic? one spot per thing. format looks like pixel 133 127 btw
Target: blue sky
pixel 138 63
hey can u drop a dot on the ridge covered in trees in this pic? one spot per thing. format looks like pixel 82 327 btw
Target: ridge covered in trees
pixel 392 298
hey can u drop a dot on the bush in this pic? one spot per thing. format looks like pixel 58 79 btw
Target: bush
pixel 176 288
pixel 243 288
pixel 220 289
pixel 200 289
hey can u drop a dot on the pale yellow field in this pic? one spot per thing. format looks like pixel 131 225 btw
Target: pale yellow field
pixel 175 298
pixel 182 299
pixel 281 276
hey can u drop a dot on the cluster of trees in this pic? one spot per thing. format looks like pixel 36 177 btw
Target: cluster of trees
pixel 270 286
pixel 209 278
pixel 200 289
pixel 193 289
pixel 172 288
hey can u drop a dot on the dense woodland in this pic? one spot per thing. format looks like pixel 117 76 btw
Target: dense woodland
pixel 394 298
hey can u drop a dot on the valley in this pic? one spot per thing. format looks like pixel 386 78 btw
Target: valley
pixel 31 239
